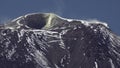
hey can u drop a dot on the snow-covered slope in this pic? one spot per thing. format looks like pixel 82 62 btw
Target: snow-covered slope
pixel 46 40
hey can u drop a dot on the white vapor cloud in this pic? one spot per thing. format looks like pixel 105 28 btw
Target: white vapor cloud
pixel 59 5
pixel 4 20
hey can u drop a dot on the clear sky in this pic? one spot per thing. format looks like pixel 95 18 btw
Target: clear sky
pixel 103 10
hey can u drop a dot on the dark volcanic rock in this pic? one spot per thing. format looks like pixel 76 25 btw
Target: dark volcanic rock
pixel 49 41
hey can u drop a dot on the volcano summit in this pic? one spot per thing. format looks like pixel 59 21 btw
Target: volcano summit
pixel 46 40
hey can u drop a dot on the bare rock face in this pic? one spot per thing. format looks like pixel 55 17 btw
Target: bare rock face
pixel 45 40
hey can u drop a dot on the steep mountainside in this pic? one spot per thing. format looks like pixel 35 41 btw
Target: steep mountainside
pixel 46 40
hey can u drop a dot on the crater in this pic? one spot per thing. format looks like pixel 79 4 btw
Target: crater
pixel 35 21
pixel 38 21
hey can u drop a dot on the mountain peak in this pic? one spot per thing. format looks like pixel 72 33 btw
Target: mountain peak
pixel 45 21
pixel 46 40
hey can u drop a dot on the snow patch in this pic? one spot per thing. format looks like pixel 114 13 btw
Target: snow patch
pixel 96 65
pixel 86 22
pixel 17 18
pixel 112 65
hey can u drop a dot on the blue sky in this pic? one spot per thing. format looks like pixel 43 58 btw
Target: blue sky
pixel 103 10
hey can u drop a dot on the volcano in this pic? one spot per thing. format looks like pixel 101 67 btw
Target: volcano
pixel 46 40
